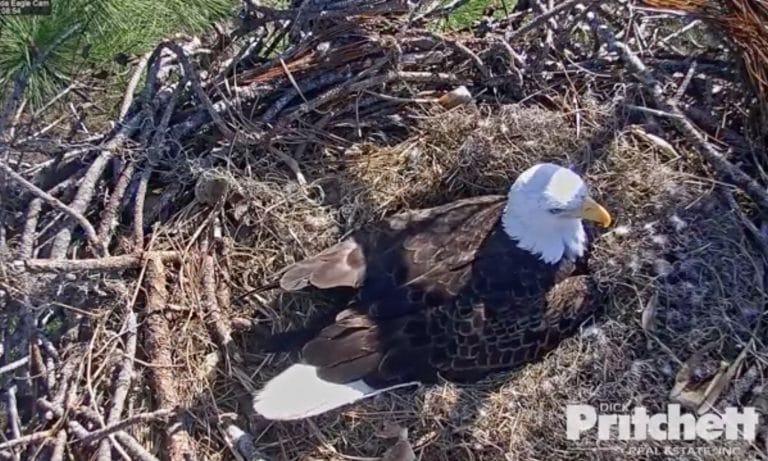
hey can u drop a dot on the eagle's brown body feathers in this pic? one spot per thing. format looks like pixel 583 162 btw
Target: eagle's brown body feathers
pixel 439 291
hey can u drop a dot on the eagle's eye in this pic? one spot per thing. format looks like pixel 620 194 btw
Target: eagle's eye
pixel 556 210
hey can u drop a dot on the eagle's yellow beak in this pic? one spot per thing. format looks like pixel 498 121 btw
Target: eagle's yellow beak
pixel 593 211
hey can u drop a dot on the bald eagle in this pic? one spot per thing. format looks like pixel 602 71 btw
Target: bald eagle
pixel 457 291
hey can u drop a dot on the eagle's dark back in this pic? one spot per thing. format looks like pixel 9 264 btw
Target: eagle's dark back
pixel 442 291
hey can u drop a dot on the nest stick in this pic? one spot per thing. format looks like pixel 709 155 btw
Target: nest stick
pixel 25 440
pixel 106 431
pixel 132 84
pixel 155 63
pixel 13 412
pixel 193 78
pixel 36 361
pixel 122 383
pixel 80 204
pixel 160 131
pixel 178 443
pixel 759 239
pixel 324 80
pixel 327 80
pixel 138 210
pixel 59 446
pixel 716 160
pixel 59 158
pixel 14 365
pixel 88 184
pixel 126 440
pixel 408 76
pixel 108 263
pixel 460 47
pixel 67 370
pixel 240 441
pixel 108 217
pixel 16 118
pixel 542 18
pixel 28 235
pixel 436 9
pixel 134 448
pixel 56 203
pixel 216 323
pixel 58 411
pixel 48 346
pixel 223 293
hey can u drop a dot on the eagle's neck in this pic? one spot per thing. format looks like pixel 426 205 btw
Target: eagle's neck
pixel 550 240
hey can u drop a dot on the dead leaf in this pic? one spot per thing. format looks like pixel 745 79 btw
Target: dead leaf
pixel 456 97
pixel 690 381
pixel 719 385
pixel 210 365
pixel 699 383
pixel 648 317
pixel 239 210
pixel 240 324
pixel 655 140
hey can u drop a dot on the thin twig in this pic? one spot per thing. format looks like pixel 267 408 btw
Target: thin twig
pixel 25 440
pixel 122 383
pixel 109 215
pixel 220 328
pixel 109 263
pixel 88 185
pixel 59 446
pixel 56 203
pixel 138 209
pixel 758 237
pixel 132 84
pixel 193 78
pixel 14 422
pixel 133 447
pixel 457 45
pixel 95 436
pixel 541 19
pixel 14 365
pixel 722 166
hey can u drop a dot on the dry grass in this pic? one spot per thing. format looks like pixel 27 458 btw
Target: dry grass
pixel 674 238
pixel 743 22
pixel 677 246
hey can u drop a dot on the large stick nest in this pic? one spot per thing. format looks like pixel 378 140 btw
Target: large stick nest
pixel 129 257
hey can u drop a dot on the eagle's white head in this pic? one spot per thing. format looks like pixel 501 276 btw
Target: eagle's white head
pixel 545 206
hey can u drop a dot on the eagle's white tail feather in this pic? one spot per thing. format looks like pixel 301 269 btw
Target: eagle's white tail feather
pixel 298 393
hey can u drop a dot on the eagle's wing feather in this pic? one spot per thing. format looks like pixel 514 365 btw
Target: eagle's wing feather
pixel 414 262
pixel 389 248
pixel 467 322
pixel 480 342
pixel 439 291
